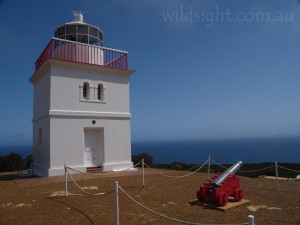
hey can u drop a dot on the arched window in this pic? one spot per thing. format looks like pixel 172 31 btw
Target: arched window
pixel 86 90
pixel 100 92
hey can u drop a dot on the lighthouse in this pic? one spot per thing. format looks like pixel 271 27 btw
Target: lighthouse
pixel 81 111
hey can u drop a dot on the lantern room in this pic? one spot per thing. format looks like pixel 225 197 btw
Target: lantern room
pixel 79 31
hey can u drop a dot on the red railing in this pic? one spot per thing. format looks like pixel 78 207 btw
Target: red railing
pixel 82 53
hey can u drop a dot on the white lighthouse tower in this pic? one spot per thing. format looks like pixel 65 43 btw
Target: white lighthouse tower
pixel 81 113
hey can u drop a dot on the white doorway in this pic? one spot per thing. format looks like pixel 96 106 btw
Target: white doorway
pixel 93 146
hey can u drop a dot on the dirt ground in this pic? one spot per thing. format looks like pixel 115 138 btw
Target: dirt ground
pixel 41 200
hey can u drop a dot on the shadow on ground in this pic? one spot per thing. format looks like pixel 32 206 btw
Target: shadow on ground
pixel 60 201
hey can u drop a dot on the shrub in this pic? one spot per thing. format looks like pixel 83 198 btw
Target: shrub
pixel 29 160
pixel 148 159
pixel 12 162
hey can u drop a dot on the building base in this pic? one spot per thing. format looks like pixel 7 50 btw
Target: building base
pixel 42 171
pixel 117 166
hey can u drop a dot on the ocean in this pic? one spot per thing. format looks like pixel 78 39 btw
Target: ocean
pixel 23 150
pixel 285 150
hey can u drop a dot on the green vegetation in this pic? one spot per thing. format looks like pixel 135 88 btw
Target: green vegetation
pixel 255 169
pixel 138 158
pixel 14 162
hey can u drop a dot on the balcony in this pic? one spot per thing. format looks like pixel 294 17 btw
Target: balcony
pixel 70 51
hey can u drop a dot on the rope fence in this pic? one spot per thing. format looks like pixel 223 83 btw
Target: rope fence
pixel 105 174
pixel 182 176
pixel 66 168
pixel 116 190
pixel 296 171
pixel 81 189
pixel 117 187
pixel 243 171
pixel 258 170
pixel 207 162
pixel 174 219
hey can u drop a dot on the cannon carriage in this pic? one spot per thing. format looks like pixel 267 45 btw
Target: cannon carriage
pixel 221 186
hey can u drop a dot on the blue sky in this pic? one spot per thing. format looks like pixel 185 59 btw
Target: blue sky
pixel 204 69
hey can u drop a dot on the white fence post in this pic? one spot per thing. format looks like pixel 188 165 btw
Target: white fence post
pixel 143 173
pixel 276 171
pixel 208 168
pixel 66 181
pixel 251 220
pixel 117 202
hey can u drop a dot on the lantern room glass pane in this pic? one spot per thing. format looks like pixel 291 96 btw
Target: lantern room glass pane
pixel 82 29
pixel 61 31
pixel 93 41
pixel 82 38
pixel 71 37
pixel 71 29
pixel 100 36
pixel 93 32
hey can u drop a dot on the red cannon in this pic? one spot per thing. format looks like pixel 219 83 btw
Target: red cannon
pixel 221 186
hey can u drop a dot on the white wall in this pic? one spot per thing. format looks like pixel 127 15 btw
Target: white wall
pixel 41 97
pixel 63 115
pixel 65 91
pixel 41 107
pixel 67 140
pixel 117 141
pixel 41 153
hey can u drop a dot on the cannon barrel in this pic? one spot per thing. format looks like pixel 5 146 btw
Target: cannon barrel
pixel 220 179
pixel 231 170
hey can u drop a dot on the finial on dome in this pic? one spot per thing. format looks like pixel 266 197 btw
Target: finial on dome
pixel 78 17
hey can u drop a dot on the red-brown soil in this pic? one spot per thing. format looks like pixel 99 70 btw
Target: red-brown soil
pixel 29 201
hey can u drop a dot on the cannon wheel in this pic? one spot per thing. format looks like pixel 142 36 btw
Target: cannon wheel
pixel 222 199
pixel 238 194
pixel 200 195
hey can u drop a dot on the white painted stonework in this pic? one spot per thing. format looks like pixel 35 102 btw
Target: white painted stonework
pixel 77 130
